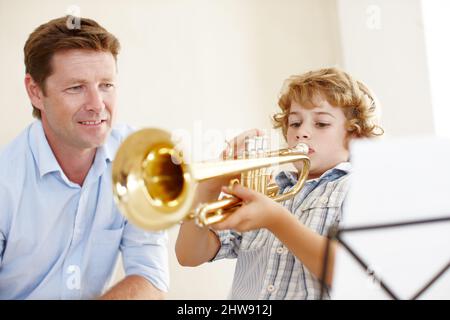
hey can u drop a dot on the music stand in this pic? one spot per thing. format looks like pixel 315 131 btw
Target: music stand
pixel 397 216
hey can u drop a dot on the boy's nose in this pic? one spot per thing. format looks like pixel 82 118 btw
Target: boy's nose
pixel 303 135
pixel 304 131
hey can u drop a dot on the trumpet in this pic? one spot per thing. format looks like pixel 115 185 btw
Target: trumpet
pixel 155 188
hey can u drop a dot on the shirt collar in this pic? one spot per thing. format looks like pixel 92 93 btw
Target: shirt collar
pixel 289 178
pixel 43 154
pixel 104 152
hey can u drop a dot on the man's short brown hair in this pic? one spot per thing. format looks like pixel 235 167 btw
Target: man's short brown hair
pixel 58 35
pixel 340 90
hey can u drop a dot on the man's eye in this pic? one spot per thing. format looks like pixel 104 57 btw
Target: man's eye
pixel 108 86
pixel 322 124
pixel 75 89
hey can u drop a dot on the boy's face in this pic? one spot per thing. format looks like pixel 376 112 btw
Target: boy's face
pixel 323 129
pixel 79 106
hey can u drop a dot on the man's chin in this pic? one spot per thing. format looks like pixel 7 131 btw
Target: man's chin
pixel 91 143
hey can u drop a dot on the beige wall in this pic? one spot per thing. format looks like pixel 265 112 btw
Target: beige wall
pixel 383 43
pixel 194 65
pixel 216 67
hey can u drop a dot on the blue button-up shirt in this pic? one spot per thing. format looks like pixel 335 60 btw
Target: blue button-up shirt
pixel 59 240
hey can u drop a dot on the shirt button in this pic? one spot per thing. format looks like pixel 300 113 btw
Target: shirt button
pixel 280 250
pixel 271 288
pixel 324 200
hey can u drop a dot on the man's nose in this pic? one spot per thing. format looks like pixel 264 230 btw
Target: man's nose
pixel 95 100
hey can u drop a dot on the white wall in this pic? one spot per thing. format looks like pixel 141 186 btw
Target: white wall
pixel 383 44
pixel 196 65
pixel 437 28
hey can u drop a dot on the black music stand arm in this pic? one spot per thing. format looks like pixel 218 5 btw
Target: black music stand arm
pixel 335 234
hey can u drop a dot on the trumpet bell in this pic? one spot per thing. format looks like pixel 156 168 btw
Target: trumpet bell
pixel 152 185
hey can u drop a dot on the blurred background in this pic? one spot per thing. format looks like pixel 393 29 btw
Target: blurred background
pixel 211 69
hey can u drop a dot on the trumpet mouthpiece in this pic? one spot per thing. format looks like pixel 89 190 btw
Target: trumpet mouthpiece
pixel 302 147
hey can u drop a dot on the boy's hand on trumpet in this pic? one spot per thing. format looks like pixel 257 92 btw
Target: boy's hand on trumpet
pixel 237 144
pixel 209 190
pixel 257 211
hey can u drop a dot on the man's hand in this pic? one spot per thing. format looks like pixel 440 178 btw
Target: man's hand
pixel 133 287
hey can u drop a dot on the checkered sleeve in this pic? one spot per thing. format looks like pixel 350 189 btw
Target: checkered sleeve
pixel 230 242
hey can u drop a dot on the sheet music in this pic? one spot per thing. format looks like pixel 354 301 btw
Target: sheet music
pixel 396 180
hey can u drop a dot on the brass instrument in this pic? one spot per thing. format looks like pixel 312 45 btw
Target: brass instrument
pixel 155 188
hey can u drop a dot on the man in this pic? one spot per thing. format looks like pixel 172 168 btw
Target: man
pixel 60 231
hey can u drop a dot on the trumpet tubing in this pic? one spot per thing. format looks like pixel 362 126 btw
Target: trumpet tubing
pixel 155 188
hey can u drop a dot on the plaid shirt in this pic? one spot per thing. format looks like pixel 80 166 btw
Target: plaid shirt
pixel 265 269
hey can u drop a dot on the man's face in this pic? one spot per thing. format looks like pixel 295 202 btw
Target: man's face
pixel 79 106
pixel 323 129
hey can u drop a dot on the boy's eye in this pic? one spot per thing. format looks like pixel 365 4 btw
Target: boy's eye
pixel 294 124
pixel 322 124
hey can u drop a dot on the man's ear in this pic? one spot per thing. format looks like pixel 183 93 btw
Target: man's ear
pixel 35 93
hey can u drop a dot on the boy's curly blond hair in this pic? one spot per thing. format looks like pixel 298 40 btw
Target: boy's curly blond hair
pixel 340 90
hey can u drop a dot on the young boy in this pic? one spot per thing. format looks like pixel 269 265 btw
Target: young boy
pixel 280 247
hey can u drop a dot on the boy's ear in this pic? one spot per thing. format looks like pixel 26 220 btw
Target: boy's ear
pixel 348 138
pixel 352 130
pixel 352 133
